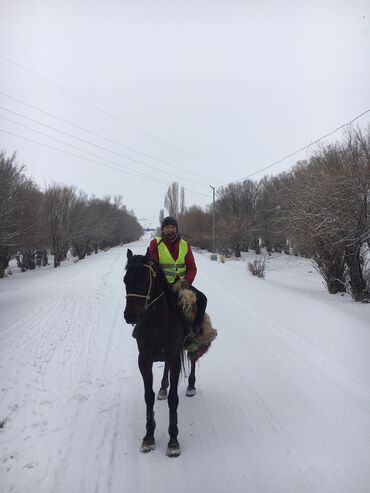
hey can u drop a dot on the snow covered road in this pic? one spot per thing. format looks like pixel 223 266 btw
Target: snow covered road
pixel 282 405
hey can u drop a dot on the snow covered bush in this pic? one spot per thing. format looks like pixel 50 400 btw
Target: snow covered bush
pixel 257 267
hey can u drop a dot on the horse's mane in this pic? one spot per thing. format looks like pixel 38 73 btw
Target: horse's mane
pixel 159 271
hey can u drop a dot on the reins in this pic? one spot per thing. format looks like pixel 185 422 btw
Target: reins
pixel 152 274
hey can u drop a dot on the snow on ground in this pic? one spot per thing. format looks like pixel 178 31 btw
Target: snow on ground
pixel 282 402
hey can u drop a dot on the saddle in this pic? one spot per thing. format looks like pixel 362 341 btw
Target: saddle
pixel 187 304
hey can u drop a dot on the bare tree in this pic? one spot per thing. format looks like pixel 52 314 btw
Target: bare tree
pixel 11 178
pixel 236 212
pixel 58 203
pixel 182 201
pixel 81 226
pixel 32 242
pixel 19 212
pixel 161 216
pixel 196 225
pixel 267 210
pixel 171 199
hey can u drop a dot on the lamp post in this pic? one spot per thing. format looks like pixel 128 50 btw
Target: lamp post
pixel 213 256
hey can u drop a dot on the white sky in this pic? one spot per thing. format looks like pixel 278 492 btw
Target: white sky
pixel 235 84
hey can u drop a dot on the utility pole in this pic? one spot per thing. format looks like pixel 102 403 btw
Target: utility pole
pixel 213 256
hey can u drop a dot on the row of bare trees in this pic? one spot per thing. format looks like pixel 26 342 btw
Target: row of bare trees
pixel 319 209
pixel 57 219
pixel 326 212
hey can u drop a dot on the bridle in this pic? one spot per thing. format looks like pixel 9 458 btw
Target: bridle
pixel 152 275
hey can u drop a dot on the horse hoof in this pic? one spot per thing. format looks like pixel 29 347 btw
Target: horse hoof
pixel 173 451
pixel 162 394
pixel 190 392
pixel 147 446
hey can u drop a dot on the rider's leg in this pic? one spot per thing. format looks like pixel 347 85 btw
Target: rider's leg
pixel 201 308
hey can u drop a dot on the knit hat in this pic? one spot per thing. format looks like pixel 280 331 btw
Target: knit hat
pixel 167 221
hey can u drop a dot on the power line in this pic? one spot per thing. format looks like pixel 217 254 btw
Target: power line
pixel 204 200
pixel 305 147
pixel 80 157
pixel 79 127
pixel 140 175
pixel 85 141
pixel 85 101
pixel 44 79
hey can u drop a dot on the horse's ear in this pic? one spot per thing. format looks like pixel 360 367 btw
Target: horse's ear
pixel 147 255
pixel 129 254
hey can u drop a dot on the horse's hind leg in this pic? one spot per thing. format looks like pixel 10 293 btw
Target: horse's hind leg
pixel 148 443
pixel 191 390
pixel 173 448
pixel 162 394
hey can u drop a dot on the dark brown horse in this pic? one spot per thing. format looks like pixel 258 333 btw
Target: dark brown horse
pixel 160 332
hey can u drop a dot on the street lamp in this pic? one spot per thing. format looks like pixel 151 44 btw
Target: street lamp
pixel 213 256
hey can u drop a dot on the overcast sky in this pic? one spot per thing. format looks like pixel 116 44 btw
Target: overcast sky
pixel 213 90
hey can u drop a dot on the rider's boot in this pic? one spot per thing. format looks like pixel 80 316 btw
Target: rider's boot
pixel 191 343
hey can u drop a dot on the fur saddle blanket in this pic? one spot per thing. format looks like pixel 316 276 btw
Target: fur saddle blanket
pixel 187 302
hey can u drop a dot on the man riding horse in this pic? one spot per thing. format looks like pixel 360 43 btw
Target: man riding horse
pixel 177 261
pixel 161 327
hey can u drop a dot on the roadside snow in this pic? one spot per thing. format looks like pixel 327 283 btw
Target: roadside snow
pixel 283 395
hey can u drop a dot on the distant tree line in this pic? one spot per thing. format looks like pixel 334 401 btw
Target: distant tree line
pixel 319 209
pixel 33 222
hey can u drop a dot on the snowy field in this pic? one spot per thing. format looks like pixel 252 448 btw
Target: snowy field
pixel 283 396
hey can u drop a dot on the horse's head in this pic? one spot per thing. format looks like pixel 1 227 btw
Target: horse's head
pixel 140 281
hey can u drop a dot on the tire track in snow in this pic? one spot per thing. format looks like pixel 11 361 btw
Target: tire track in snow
pixel 59 373
pixel 93 418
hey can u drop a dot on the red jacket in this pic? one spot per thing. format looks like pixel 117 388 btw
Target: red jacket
pixel 173 248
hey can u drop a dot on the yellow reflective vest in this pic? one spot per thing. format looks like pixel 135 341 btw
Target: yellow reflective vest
pixel 172 268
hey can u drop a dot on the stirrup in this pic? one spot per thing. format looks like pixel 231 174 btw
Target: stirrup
pixel 192 347
pixel 190 343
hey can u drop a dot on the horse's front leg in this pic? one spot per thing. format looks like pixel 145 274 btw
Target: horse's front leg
pixel 145 367
pixel 162 394
pixel 191 390
pixel 173 448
